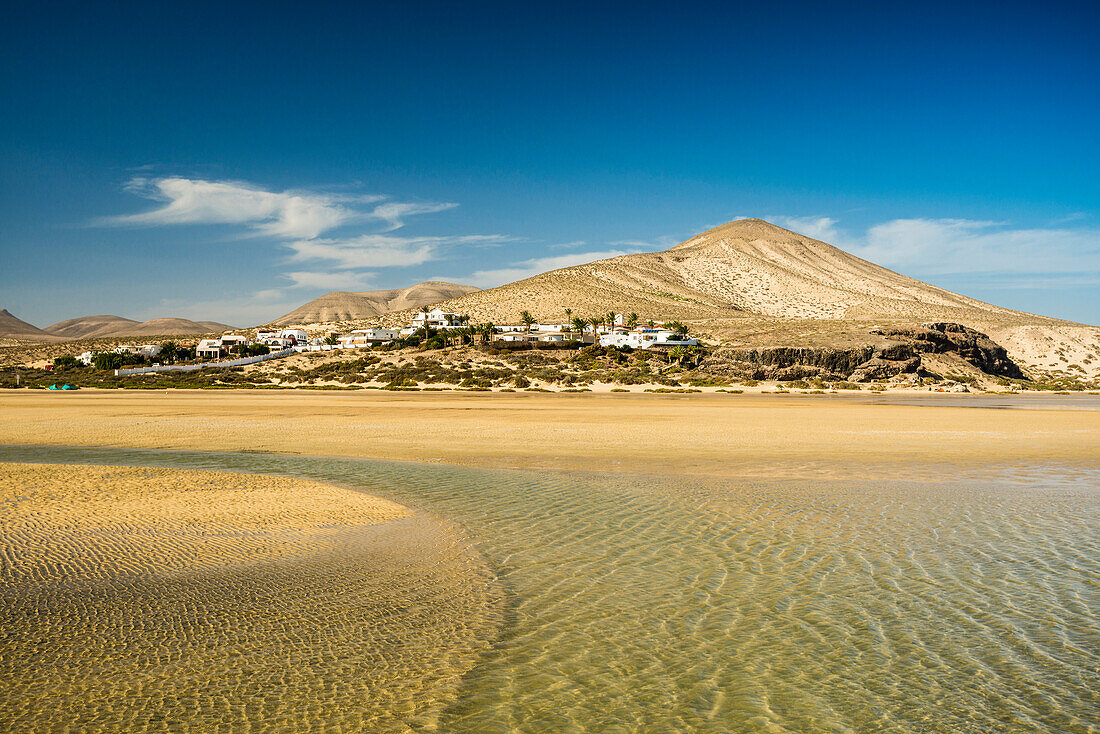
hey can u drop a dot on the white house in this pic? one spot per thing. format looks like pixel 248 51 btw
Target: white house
pixel 214 348
pixel 515 336
pixel 646 338
pixel 282 337
pixel 437 319
pixel 367 337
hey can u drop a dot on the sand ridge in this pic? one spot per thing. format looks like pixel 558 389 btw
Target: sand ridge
pixel 716 434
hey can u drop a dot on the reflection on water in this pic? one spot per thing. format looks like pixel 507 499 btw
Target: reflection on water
pixel 656 604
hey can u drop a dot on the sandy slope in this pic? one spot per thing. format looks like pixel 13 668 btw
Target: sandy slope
pixel 14 327
pixel 750 276
pixel 746 267
pixel 345 306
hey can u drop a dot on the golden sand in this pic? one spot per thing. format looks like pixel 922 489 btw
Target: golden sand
pixel 694 433
pixel 95 522
pixel 136 599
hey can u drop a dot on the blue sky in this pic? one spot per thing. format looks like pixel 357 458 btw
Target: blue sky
pixel 231 163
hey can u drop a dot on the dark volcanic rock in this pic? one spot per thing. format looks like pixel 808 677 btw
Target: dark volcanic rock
pixel 900 355
pixel 877 368
pixel 972 346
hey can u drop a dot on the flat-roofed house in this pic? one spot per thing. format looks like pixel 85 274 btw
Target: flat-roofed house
pixel 368 337
pixel 437 318
pixel 223 345
pixel 646 338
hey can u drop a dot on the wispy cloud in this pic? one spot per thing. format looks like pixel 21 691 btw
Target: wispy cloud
pixel 394 212
pixel 968 246
pixel 329 281
pixel 984 251
pixel 527 268
pixel 820 228
pixel 284 214
pixel 380 250
pixel 299 220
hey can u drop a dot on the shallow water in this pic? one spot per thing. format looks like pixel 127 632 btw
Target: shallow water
pixel 663 603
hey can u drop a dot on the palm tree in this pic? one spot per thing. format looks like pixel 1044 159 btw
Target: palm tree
pixel 677 327
pixel 425 310
pixel 596 321
pixel 527 320
pixel 486 330
pixel 568 314
pixel 579 324
pixel 168 352
pixel 632 321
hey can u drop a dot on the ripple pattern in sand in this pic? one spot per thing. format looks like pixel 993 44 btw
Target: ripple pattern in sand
pixel 966 603
pixel 230 603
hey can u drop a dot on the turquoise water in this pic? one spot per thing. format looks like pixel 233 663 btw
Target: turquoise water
pixel 663 603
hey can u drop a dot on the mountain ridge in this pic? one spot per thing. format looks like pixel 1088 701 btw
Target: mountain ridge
pixel 104 326
pixel 351 305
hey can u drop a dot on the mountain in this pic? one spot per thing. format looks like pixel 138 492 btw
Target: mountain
pixel 15 328
pixel 90 327
pixel 751 282
pixel 348 306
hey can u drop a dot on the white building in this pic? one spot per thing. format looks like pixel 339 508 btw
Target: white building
pixel 367 337
pixel 437 319
pixel 282 337
pixel 214 348
pixel 646 338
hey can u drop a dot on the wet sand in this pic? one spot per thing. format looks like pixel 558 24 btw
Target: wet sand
pixel 161 599
pixel 685 434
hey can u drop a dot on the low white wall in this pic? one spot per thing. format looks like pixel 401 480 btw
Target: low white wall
pixel 192 367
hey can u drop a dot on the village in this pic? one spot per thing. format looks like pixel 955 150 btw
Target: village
pixel 430 327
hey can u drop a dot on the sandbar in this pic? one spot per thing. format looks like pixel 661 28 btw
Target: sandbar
pixel 713 434
pixel 149 599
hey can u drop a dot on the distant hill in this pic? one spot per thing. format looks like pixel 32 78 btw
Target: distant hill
pixel 90 327
pixel 749 281
pixel 744 267
pixel 349 306
pixel 16 328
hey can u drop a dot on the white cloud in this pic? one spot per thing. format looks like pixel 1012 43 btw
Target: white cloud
pixel 819 228
pixel 189 201
pixel 987 252
pixel 946 246
pixel 345 280
pixel 285 215
pixel 535 266
pixel 299 219
pixel 380 250
pixel 393 212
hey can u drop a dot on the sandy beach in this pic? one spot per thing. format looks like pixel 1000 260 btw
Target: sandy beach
pixel 716 434
pixel 148 599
